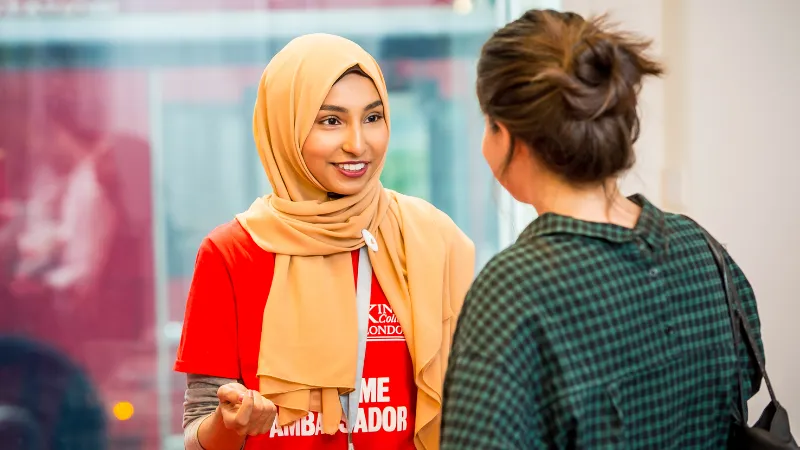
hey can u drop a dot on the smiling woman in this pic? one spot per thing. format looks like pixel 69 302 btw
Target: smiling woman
pixel 280 342
pixel 348 141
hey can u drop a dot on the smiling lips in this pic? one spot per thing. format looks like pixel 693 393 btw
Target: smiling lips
pixel 352 169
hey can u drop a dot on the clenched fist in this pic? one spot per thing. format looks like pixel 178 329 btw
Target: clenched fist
pixel 244 411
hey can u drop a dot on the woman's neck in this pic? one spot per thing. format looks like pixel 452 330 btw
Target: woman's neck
pixel 600 203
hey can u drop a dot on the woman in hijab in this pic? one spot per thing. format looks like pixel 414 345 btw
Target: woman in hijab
pixel 330 303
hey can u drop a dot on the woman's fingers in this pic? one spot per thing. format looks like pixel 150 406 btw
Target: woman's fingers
pixel 272 415
pixel 231 393
pixel 257 416
pixel 266 415
pixel 242 419
pixel 248 412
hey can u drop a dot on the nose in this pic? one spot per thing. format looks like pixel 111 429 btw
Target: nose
pixel 355 143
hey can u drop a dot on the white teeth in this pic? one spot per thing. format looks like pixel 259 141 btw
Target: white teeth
pixel 352 167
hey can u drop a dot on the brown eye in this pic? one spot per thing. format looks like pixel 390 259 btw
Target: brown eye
pixel 330 121
pixel 372 118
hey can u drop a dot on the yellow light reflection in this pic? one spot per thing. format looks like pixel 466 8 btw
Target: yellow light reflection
pixel 123 410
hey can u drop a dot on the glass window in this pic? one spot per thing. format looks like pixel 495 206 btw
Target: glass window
pixel 125 137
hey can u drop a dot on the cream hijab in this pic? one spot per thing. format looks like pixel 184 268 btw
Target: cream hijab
pixel 424 263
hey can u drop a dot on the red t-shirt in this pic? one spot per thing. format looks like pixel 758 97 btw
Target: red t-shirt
pixel 222 334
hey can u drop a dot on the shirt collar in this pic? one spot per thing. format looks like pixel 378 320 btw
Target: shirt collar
pixel 650 227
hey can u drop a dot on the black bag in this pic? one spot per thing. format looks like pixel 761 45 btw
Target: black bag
pixel 771 431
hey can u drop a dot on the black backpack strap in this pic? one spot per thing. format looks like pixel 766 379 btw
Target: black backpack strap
pixel 740 325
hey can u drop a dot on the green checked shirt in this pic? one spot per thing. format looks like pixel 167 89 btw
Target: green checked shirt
pixel 595 336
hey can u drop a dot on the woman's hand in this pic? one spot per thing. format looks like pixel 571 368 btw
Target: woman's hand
pixel 245 411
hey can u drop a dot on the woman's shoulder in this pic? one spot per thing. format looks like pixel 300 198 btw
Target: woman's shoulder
pixel 227 234
pixel 426 211
pixel 231 241
pixel 683 230
pixel 416 203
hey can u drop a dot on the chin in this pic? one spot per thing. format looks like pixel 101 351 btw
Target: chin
pixel 344 186
pixel 347 189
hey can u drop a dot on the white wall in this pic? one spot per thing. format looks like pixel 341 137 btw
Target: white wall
pixel 719 143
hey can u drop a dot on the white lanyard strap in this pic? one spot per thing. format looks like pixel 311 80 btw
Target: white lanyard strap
pixel 363 293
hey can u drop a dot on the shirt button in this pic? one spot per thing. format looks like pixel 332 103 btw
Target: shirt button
pixel 669 329
pixel 654 272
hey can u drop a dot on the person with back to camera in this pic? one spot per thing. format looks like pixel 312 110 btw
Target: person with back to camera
pixel 330 303
pixel 606 324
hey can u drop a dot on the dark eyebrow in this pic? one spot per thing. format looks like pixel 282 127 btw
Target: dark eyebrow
pixel 332 108
pixel 374 104
pixel 335 108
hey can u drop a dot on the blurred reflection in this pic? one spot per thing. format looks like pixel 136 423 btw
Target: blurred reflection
pixel 125 137
pixel 70 220
pixel 75 266
pixel 67 230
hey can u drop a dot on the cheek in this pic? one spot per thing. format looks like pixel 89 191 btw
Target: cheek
pixel 316 151
pixel 378 140
pixel 493 152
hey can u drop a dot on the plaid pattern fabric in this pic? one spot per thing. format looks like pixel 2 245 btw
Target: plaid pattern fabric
pixel 595 336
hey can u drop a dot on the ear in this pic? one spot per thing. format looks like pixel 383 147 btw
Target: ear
pixel 498 129
pixel 491 124
pixel 504 137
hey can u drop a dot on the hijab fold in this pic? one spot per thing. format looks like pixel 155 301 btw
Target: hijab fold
pixel 424 263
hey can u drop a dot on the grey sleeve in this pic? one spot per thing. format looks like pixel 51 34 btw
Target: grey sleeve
pixel 200 401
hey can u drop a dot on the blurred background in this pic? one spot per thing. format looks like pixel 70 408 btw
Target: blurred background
pixel 125 137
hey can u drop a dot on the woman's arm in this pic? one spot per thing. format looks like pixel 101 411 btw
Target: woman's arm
pixel 201 403
pixel 219 413
pixel 750 309
pixel 491 389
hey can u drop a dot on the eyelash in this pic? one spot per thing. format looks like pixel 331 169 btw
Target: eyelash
pixel 376 116
pixel 325 120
